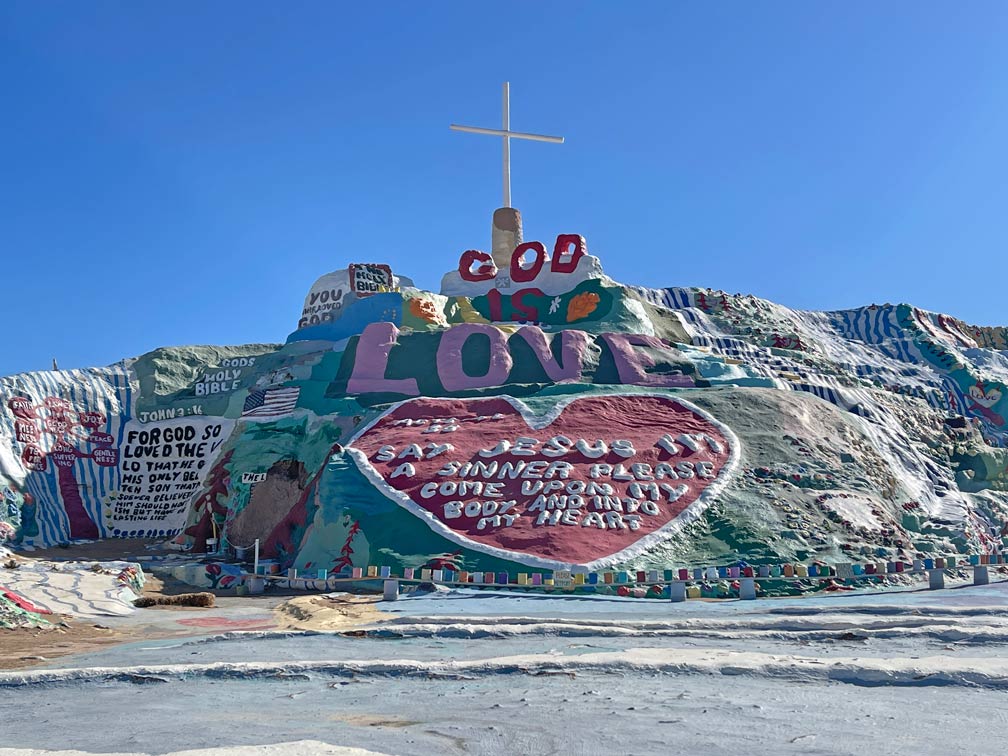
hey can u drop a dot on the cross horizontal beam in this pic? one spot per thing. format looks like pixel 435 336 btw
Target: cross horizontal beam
pixel 509 134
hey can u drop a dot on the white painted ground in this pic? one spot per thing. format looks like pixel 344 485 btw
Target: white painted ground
pixel 469 672
pixel 72 588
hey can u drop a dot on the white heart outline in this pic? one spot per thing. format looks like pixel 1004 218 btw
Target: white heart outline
pixel 536 422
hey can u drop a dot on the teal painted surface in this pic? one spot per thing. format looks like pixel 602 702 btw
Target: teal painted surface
pixel 823 403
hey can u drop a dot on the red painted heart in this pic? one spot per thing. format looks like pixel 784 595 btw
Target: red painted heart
pixel 595 481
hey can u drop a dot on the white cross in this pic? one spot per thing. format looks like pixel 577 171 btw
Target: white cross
pixel 505 131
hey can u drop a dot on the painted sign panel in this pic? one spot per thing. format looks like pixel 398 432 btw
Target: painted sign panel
pixel 563 579
pixel 594 481
pixel 163 468
pixel 370 278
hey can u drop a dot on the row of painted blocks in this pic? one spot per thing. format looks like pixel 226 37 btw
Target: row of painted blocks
pixel 673 575
pixel 677 575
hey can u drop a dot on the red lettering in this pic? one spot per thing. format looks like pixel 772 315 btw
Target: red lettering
pixel 91 419
pixel 106 457
pixel 494 300
pixel 33 458
pixel 484 271
pixel 562 248
pixel 520 274
pixel 522 311
pixel 22 407
pixel 26 432
pixel 476 265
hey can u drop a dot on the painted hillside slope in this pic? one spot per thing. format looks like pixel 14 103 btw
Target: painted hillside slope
pixel 540 415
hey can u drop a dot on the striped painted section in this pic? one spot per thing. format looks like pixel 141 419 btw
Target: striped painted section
pixel 895 348
pixel 108 391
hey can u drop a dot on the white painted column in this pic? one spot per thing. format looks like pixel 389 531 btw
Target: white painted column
pixel 980 575
pixel 678 591
pixel 390 590
pixel 747 588
pixel 936 579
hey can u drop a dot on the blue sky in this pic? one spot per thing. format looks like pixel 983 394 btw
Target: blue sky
pixel 180 173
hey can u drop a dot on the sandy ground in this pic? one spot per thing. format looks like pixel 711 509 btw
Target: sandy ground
pixel 68 635
pixel 330 613
pixel 27 647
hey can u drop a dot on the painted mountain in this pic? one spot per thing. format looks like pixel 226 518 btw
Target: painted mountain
pixel 532 414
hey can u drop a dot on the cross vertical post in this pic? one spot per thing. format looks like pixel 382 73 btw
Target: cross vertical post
pixel 506 127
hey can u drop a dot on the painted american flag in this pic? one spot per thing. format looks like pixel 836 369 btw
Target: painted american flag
pixel 270 403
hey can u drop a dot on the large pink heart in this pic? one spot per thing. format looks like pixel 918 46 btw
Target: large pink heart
pixel 491 476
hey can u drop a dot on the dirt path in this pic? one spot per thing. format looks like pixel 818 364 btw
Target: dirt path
pixel 29 647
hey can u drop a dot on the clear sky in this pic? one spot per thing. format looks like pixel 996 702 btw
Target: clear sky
pixel 180 173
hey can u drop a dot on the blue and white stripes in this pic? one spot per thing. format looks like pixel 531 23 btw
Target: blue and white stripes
pixel 104 390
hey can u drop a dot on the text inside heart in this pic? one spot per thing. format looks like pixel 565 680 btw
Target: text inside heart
pixel 594 480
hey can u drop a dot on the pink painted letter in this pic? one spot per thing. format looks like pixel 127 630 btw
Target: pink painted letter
pixel 630 364
pixel 371 362
pixel 449 358
pixel 572 348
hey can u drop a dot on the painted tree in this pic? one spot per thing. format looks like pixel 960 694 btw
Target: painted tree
pixel 53 432
pixel 208 508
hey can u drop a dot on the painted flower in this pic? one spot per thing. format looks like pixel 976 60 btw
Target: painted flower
pixel 425 309
pixel 581 306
